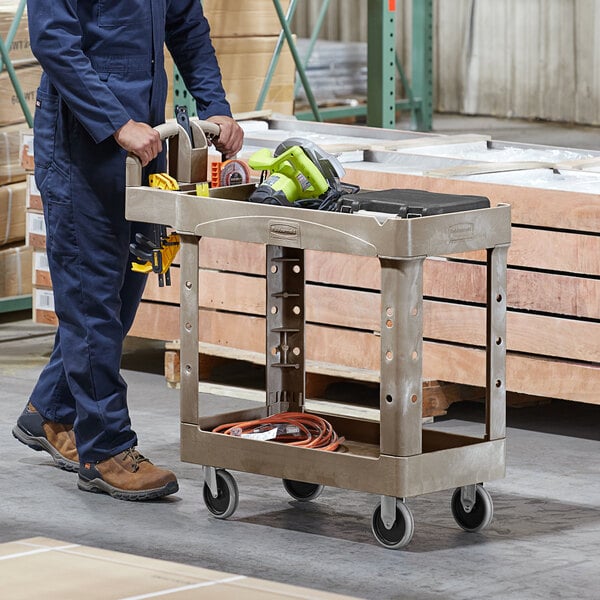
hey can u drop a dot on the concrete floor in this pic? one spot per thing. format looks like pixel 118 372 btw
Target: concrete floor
pixel 542 543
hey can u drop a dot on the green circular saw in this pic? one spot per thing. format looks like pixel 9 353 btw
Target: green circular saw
pixel 298 173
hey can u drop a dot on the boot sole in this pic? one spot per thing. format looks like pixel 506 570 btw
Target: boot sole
pixel 42 444
pixel 99 486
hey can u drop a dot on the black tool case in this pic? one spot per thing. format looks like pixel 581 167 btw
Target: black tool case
pixel 409 203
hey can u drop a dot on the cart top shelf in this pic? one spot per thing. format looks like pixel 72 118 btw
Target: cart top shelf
pixel 226 214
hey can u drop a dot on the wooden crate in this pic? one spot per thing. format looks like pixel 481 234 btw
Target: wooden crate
pixel 548 355
pixel 553 322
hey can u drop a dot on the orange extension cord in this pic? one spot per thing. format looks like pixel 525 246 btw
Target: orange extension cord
pixel 313 431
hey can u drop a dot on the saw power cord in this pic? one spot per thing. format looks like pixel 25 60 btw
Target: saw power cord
pixel 294 428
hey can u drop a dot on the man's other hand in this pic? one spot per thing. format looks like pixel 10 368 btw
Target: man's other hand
pixel 231 138
pixel 139 139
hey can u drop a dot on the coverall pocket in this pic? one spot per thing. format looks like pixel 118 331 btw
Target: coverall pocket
pixel 113 14
pixel 61 236
pixel 44 124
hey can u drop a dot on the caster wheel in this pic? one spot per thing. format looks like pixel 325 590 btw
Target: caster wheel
pixel 226 502
pixel 401 532
pixel 480 515
pixel 301 491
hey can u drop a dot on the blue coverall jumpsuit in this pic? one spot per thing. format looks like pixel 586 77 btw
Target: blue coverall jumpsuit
pixel 103 65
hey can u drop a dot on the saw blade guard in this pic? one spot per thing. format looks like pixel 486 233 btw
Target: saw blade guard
pixel 329 166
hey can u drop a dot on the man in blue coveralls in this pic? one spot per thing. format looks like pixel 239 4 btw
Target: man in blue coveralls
pixel 104 86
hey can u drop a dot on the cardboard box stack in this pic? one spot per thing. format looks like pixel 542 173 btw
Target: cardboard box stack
pixel 15 255
pixel 35 228
pixel 244 35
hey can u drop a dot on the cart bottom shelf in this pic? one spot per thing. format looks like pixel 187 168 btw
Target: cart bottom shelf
pixel 447 461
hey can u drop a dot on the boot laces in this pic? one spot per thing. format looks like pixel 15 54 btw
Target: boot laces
pixel 135 457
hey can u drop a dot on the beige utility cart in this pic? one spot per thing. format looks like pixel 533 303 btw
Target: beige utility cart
pixel 396 457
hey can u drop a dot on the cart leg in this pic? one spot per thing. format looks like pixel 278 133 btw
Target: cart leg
pixel 285 329
pixel 401 394
pixel 496 343
pixel 189 261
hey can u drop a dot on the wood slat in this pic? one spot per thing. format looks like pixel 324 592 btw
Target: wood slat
pixel 227 255
pixel 526 290
pixel 550 251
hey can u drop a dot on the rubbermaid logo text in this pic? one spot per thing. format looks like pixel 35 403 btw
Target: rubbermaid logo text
pixel 461 231
pixel 283 230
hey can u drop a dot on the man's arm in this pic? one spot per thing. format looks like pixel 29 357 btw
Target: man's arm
pixel 56 35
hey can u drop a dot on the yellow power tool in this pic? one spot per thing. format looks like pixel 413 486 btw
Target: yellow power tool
pixel 158 253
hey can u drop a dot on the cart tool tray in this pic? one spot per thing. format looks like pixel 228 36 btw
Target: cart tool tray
pixel 396 457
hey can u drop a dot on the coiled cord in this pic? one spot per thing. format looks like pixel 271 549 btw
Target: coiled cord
pixel 294 428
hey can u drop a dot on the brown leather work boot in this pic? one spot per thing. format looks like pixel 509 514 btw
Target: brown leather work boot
pixel 57 439
pixel 127 476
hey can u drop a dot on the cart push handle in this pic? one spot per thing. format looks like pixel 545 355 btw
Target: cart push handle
pixel 187 162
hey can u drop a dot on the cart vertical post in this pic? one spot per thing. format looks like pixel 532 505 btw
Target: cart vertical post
pixel 189 328
pixel 285 320
pixel 496 343
pixel 401 393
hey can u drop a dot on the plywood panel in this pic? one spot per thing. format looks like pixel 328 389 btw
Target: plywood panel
pixel 550 251
pixel 359 352
pixel 444 321
pixel 587 61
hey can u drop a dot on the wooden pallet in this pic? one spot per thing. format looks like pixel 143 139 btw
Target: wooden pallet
pixel 221 368
pixel 553 295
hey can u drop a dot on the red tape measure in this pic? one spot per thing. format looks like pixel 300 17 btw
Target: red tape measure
pixel 234 172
